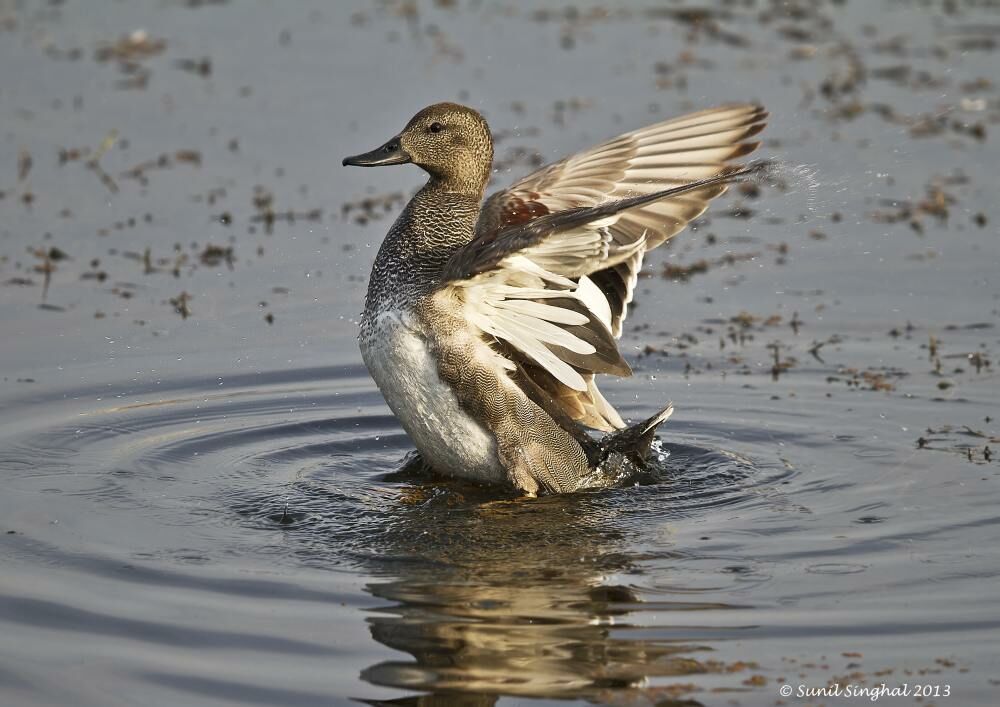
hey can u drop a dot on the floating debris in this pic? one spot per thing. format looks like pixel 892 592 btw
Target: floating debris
pixel 181 303
pixel 24 163
pixel 199 67
pixel 133 47
pixel 165 161
pixel 214 255
pixel 372 208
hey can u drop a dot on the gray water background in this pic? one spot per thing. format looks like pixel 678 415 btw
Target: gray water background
pixel 202 509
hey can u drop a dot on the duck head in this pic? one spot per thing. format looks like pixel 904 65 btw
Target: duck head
pixel 449 141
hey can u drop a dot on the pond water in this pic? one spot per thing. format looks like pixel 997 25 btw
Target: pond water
pixel 201 500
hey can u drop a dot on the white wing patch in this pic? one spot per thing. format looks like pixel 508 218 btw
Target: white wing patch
pixel 507 302
pixel 596 265
pixel 595 300
pixel 526 325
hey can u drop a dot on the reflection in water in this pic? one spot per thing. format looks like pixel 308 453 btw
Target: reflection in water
pixel 519 598
pixel 489 596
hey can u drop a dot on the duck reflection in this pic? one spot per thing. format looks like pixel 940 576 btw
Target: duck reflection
pixel 518 598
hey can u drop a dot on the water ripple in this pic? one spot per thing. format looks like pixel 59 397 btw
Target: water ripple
pixel 303 474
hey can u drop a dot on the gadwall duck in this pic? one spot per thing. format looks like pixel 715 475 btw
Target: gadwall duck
pixel 486 322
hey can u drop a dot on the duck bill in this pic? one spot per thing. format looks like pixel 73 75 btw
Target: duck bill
pixel 391 152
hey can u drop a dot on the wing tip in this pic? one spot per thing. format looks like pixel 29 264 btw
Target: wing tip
pixel 743 149
pixel 757 110
pixel 757 114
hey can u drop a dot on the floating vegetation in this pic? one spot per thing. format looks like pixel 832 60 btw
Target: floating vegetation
pixel 181 304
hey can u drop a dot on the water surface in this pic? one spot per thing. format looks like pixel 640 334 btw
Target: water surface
pixel 201 501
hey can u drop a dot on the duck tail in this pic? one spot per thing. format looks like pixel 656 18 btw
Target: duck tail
pixel 634 441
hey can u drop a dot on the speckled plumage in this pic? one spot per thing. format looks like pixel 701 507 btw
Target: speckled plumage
pixel 402 308
pixel 484 325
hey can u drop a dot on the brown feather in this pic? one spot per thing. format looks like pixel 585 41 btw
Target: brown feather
pixel 622 180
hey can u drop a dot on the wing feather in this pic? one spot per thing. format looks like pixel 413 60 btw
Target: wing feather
pixel 554 263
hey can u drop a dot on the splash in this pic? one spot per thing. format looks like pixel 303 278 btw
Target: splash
pixel 799 179
pixel 803 178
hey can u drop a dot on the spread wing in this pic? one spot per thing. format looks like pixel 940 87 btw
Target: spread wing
pixel 555 258
pixel 644 161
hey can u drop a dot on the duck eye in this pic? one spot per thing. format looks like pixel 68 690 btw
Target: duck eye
pixel 436 127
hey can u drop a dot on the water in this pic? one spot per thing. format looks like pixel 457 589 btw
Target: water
pixel 201 499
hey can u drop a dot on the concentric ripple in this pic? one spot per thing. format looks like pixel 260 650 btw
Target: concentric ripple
pixel 256 495
pixel 314 458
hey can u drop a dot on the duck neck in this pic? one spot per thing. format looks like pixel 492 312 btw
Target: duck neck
pixel 465 177
pixel 455 185
pixel 440 217
pixel 437 221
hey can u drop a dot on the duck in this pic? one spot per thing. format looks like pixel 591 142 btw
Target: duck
pixel 488 320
